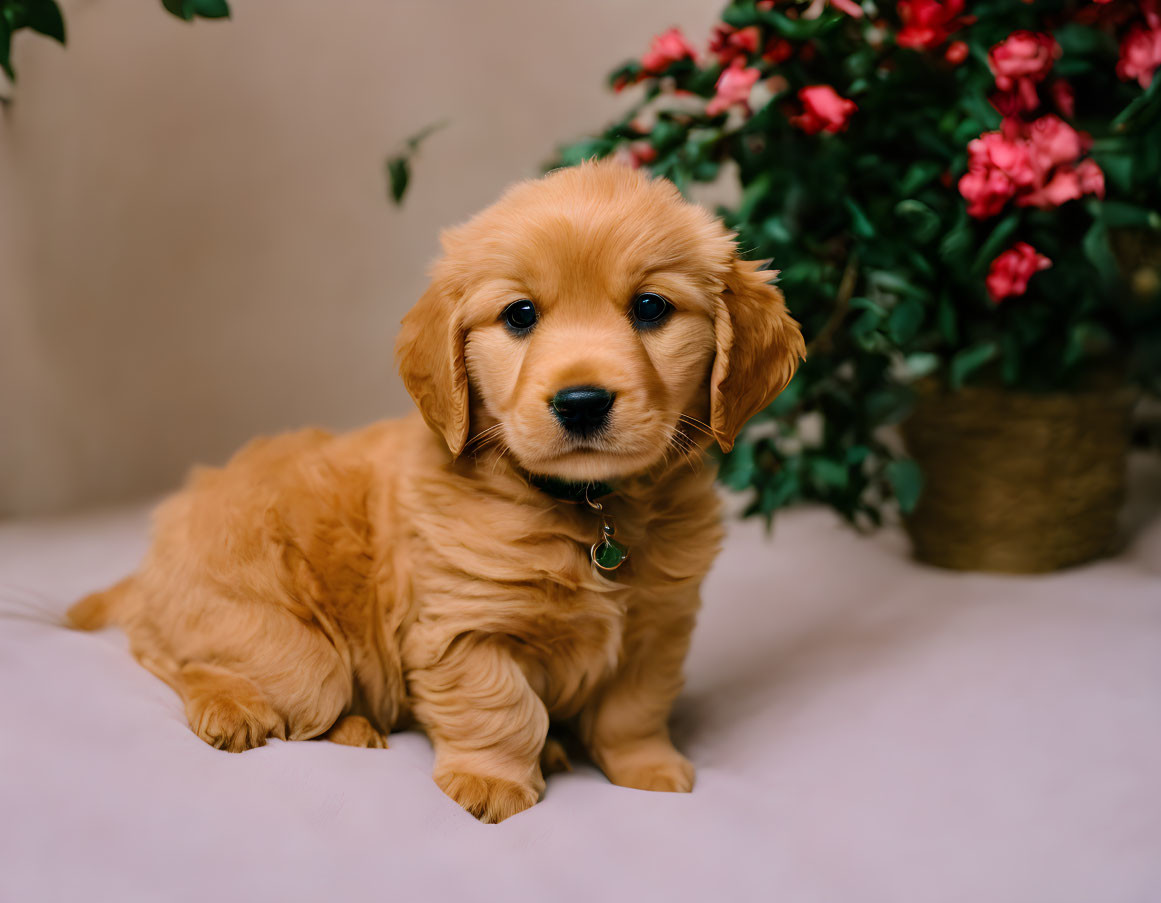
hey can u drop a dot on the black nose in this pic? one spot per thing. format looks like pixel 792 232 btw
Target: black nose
pixel 582 410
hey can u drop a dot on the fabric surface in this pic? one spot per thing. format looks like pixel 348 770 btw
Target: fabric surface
pixel 865 729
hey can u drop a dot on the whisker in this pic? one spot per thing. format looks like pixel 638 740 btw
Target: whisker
pixel 484 436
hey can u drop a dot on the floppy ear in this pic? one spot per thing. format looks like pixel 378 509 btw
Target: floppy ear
pixel 759 346
pixel 430 353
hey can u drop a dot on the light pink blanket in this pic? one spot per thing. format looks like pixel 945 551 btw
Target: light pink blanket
pixel 865 729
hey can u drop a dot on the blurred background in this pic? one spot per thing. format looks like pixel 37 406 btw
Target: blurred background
pixel 196 242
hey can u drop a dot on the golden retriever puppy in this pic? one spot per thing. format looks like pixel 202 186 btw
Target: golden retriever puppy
pixel 531 550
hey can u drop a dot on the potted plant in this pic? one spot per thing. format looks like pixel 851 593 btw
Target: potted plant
pixel 964 200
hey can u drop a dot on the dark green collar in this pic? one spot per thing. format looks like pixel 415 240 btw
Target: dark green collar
pixel 570 492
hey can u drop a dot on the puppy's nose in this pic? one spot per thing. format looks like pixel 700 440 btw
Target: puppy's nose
pixel 582 410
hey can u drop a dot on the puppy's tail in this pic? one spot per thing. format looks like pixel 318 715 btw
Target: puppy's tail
pixel 97 610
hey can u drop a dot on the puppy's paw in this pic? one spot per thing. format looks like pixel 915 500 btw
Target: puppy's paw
pixel 355 730
pixel 227 710
pixel 491 800
pixel 553 758
pixel 654 766
pixel 232 724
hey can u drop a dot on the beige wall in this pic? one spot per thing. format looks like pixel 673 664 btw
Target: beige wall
pixel 194 240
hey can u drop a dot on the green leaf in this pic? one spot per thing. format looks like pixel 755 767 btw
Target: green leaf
pixel 211 9
pixel 827 473
pixel 968 361
pixel 44 16
pixel 1123 215
pixel 780 490
pixel 957 243
pixel 919 219
pixel 1097 250
pixel 905 320
pixel 183 9
pixel 865 324
pixel 996 242
pixel 860 303
pixel 6 49
pixel 737 469
pixel 918 175
pixel 398 175
pixel 907 480
pixel 1139 105
pixel 860 225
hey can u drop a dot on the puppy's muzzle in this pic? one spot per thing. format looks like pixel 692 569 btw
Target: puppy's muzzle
pixel 582 410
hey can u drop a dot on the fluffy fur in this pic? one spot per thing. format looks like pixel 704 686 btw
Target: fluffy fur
pixel 345 586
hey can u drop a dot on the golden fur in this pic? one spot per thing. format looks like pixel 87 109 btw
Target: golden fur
pixel 344 586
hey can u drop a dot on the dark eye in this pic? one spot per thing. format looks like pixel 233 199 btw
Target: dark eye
pixel 650 309
pixel 520 316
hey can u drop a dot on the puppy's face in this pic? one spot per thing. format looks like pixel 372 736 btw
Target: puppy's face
pixel 579 318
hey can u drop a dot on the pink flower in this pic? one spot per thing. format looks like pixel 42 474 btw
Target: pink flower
pixel 728 43
pixel 1020 62
pixel 1010 272
pixel 824 110
pixel 1140 54
pixel 928 23
pixel 1036 165
pixel 1092 179
pixel 667 48
pixel 733 87
pixel 1023 54
pixel 1052 141
pixel 987 191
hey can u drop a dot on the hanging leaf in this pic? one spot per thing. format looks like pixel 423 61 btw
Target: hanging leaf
pixel 399 165
pixel 968 361
pixel 905 320
pixel 398 176
pixel 44 16
pixel 907 480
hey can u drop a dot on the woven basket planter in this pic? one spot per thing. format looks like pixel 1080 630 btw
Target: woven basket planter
pixel 1017 483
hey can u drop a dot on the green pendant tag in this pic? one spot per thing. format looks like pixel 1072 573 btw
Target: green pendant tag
pixel 608 554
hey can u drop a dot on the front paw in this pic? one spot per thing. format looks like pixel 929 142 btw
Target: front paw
pixel 489 799
pixel 649 766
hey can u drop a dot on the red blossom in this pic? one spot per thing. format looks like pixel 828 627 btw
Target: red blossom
pixel 957 52
pixel 778 50
pixel 667 48
pixel 1010 272
pixel 824 110
pixel 928 23
pixel 728 43
pixel 733 88
pixel 635 155
pixel 1020 62
pixel 1140 54
pixel 1034 165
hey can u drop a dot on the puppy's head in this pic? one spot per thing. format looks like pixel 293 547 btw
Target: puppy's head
pixel 582 315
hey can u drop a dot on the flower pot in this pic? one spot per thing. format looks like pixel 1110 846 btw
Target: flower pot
pixel 1014 482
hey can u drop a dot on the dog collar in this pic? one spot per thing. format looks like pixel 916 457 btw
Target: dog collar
pixel 564 491
pixel 606 554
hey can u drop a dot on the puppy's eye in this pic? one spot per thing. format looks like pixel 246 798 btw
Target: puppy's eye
pixel 649 309
pixel 520 316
